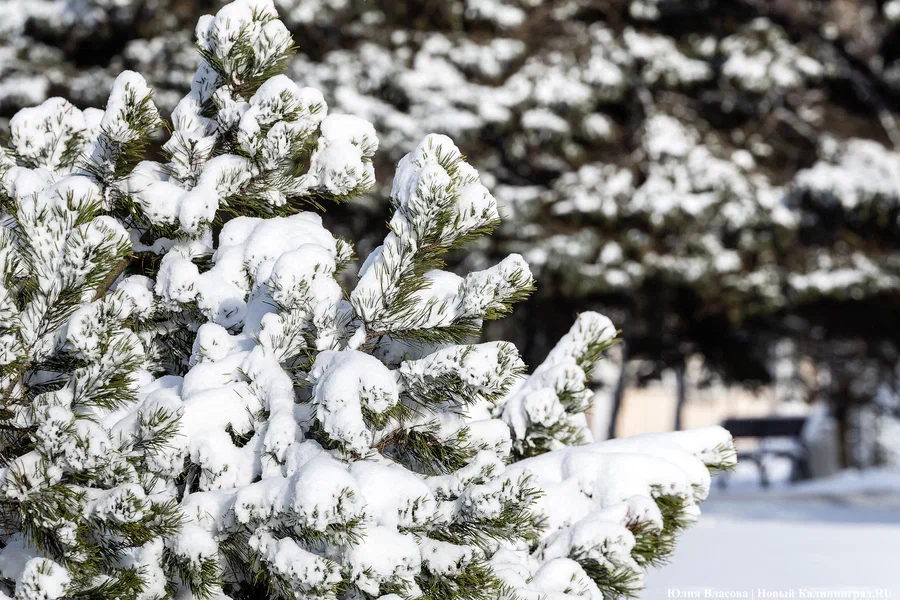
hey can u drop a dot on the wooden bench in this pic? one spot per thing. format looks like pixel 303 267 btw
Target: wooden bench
pixel 762 428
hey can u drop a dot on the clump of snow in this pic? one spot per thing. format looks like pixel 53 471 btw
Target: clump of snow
pixel 761 57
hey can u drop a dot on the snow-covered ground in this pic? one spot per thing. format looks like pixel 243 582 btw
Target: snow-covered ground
pixel 836 535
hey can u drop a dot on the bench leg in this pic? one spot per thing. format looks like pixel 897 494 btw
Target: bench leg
pixel 763 476
pixel 803 466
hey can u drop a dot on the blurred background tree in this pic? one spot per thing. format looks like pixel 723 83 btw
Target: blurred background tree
pixel 720 178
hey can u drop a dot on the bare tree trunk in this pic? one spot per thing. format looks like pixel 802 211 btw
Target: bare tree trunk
pixel 681 397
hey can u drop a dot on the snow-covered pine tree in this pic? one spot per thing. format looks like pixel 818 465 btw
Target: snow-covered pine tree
pixel 312 440
pixel 82 499
pixel 558 103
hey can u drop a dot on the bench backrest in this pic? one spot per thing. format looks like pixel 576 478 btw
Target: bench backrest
pixel 764 427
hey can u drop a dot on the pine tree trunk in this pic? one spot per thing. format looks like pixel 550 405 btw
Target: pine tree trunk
pixel 842 416
pixel 681 397
pixel 617 396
